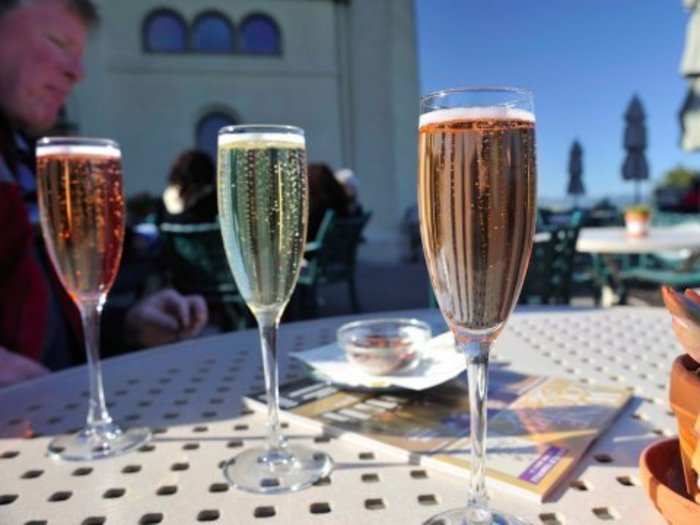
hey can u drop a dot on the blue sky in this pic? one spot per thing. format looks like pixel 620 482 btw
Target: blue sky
pixel 584 61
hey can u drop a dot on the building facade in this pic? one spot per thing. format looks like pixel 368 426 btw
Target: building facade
pixel 162 77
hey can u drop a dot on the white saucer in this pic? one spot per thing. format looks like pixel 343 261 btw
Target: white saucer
pixel 439 362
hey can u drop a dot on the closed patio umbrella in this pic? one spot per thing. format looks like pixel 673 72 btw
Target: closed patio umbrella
pixel 635 166
pixel 576 186
pixel 690 68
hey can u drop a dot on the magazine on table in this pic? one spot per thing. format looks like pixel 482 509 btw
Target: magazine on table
pixel 538 427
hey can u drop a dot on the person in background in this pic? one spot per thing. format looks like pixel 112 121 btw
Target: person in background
pixel 347 178
pixel 41 49
pixel 325 193
pixel 190 196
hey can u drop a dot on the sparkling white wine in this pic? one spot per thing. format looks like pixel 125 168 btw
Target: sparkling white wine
pixel 263 209
pixel 81 206
pixel 476 193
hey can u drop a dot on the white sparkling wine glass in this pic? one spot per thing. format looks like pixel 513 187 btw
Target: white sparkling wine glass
pixel 263 209
pixel 81 206
pixel 477 204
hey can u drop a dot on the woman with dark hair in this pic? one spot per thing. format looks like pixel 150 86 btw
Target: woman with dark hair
pixel 190 196
pixel 325 193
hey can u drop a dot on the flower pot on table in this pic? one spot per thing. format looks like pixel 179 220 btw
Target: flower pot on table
pixel 685 402
pixel 637 223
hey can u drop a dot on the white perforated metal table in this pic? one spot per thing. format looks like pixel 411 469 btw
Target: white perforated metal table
pixel 191 394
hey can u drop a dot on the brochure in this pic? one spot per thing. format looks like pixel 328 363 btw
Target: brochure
pixel 538 427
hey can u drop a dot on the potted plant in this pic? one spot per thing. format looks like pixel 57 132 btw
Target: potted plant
pixel 637 219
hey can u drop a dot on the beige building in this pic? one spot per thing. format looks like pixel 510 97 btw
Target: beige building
pixel 164 76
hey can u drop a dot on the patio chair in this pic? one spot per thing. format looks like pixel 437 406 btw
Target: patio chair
pixel 195 263
pixel 551 270
pixel 331 258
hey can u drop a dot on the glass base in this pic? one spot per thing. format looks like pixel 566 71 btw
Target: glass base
pixel 460 517
pixel 262 471
pixel 95 443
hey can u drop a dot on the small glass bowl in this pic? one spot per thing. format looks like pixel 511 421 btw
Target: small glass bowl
pixel 382 346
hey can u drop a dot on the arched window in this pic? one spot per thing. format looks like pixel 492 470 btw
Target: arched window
pixel 212 32
pixel 164 31
pixel 260 35
pixel 208 130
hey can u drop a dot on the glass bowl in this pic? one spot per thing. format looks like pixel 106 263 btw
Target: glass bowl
pixel 382 346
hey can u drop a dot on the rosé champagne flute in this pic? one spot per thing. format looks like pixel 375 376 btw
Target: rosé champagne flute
pixel 476 198
pixel 81 207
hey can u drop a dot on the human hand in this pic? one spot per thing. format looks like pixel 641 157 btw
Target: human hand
pixel 164 317
pixel 15 368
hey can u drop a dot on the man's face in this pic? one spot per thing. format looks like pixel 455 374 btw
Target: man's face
pixel 41 49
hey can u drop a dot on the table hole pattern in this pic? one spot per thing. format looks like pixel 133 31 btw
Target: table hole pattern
pixel 427 499
pixel 208 515
pixel 151 518
pixel 131 469
pixel 320 508
pixel 218 487
pixel 322 482
pixel 61 495
pixel 82 471
pixel 32 474
pixel 551 518
pixel 605 513
pixel 375 504
pixel 266 511
pixel 7 499
pixel 44 522
pixel 167 490
pixel 370 478
pixel 419 474
pixel 579 485
pixel 114 493
pixel 627 481
pixel 94 520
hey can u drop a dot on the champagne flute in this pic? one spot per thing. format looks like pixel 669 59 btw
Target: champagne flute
pixel 263 209
pixel 81 207
pixel 476 195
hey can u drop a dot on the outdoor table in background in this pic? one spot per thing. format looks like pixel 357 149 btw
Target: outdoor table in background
pixel 190 393
pixel 616 241
pixel 607 244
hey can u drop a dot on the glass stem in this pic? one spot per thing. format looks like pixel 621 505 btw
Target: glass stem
pixel 477 353
pixel 98 417
pixel 268 324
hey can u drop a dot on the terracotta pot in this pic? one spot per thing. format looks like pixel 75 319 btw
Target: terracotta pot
pixel 661 473
pixel 685 402
pixel 637 223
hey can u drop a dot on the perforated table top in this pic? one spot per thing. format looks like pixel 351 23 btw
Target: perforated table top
pixel 190 393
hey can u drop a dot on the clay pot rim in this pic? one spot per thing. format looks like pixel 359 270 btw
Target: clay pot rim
pixel 666 500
